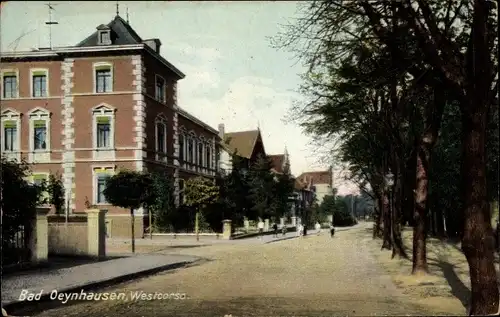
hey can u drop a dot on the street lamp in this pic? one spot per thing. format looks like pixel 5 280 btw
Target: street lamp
pixel 389 181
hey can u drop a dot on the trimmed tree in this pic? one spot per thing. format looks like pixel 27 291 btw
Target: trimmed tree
pixel 131 190
pixel 199 193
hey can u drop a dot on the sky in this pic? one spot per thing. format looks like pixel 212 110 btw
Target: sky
pixel 233 75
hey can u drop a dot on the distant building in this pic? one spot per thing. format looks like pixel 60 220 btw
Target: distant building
pixel 105 104
pixel 280 162
pixel 322 181
pixel 247 145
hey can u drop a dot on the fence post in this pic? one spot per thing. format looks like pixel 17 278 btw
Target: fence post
pixel 39 243
pixel 226 229
pixel 96 233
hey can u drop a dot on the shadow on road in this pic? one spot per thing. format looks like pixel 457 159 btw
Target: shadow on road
pixel 458 288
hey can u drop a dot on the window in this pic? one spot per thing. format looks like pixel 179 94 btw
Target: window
pixel 209 157
pixel 101 176
pixel 39 83
pixel 103 78
pixel 10 136
pixel 9 82
pixel 40 135
pixel 160 89
pixel 103 130
pixel 161 136
pixel 103 133
pixel 200 154
pixel 104 37
pixel 181 147
pixel 190 149
pixel 101 186
pixel 40 179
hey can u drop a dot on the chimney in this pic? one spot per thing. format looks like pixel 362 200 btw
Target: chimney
pixel 221 131
pixel 154 44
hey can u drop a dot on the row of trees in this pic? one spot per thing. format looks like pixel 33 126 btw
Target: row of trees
pixel 410 87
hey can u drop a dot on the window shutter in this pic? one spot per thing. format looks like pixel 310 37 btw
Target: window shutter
pixel 39 177
pixel 10 124
pixel 39 73
pixel 103 67
pixel 103 120
pixel 40 123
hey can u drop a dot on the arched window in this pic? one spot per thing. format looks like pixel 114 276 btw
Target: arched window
pixel 161 137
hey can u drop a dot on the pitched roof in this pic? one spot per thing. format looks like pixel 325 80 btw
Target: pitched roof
pixel 122 34
pixel 242 142
pixel 322 177
pixel 277 160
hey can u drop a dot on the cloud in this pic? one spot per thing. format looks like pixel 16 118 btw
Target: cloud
pixel 203 54
pixel 246 102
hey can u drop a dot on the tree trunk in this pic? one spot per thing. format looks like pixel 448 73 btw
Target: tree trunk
pixel 478 239
pixel 132 227
pixel 397 239
pixel 433 117
pixel 387 242
pixel 378 219
pixel 420 217
pixel 197 225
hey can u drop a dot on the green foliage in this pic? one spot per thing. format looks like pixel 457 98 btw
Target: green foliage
pixel 161 200
pixel 129 189
pixel 234 192
pixel 337 207
pixel 200 192
pixel 283 189
pixel 19 202
pixel 262 187
pixel 55 189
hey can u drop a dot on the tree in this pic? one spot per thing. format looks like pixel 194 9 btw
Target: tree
pixel 19 202
pixel 234 191
pixel 262 186
pixel 283 189
pixel 161 203
pixel 131 190
pixel 200 192
pixel 55 189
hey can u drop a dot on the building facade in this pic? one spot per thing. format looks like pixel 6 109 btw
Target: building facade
pixel 107 104
pixel 322 182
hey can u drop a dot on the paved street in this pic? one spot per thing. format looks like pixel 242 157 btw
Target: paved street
pixel 313 276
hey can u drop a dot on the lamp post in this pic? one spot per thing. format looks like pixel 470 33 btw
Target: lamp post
pixel 389 182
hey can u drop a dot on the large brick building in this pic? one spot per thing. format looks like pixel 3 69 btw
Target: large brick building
pixel 106 104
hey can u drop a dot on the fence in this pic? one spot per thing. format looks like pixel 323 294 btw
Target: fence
pixel 16 246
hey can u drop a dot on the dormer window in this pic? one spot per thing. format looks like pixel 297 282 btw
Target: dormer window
pixel 104 38
pixel 103 35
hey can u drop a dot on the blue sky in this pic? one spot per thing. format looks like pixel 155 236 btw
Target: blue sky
pixel 233 76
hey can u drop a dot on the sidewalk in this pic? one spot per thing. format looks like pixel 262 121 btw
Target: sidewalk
pixel 86 276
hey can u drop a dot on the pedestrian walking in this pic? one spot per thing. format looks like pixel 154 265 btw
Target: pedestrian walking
pixel 318 228
pixel 275 229
pixel 260 225
pixel 332 230
pixel 283 230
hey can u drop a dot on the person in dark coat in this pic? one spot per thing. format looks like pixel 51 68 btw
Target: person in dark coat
pixel 275 229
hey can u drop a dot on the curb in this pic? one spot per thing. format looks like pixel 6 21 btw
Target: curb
pixel 287 238
pixel 45 298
